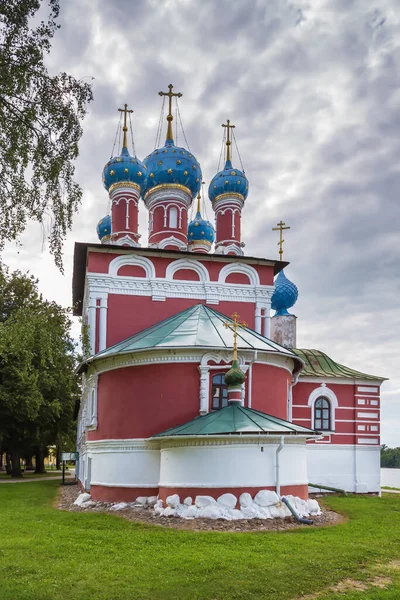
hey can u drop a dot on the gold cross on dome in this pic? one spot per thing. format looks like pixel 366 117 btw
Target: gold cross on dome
pixel 170 118
pixel 125 127
pixel 228 138
pixel 234 325
pixel 280 228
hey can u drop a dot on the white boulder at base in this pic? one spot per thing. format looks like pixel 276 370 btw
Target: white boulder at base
pixel 265 505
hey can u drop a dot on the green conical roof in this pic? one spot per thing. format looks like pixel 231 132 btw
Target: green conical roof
pixel 235 419
pixel 318 364
pixel 198 326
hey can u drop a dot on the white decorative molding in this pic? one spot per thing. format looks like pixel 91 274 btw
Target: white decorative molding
pixel 243 269
pixel 168 195
pixel 211 291
pixel 169 241
pixel 234 247
pixel 126 240
pixel 129 260
pixel 187 263
pixel 326 392
pixel 337 381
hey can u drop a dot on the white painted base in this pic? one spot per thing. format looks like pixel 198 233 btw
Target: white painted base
pixel 352 468
pixel 122 463
pixel 228 464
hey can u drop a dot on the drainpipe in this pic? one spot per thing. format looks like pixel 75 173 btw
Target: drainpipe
pixel 278 483
pixel 294 513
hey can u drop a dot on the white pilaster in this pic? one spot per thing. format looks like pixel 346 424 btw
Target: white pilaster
pixel 103 323
pixel 258 320
pixel 204 389
pixel 92 324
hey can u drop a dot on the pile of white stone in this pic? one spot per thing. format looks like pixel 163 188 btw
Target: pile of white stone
pixel 265 505
pixel 84 500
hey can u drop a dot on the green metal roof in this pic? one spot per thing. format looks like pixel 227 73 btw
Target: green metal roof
pixel 235 419
pixel 198 326
pixel 318 364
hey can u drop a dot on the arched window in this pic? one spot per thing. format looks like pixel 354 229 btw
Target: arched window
pixel 173 217
pixel 322 414
pixel 219 392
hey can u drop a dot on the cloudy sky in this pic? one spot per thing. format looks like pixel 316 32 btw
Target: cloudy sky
pixel 313 89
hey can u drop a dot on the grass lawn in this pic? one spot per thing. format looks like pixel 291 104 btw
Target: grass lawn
pixel 33 475
pixel 46 554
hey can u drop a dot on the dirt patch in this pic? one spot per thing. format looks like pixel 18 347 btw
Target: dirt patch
pixel 146 516
pixel 351 585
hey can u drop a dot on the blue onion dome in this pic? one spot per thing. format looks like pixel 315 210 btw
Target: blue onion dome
pixel 284 296
pixel 104 227
pixel 124 168
pixel 172 165
pixel 200 230
pixel 230 180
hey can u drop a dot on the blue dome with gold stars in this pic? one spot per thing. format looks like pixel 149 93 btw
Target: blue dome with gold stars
pixel 124 168
pixel 172 165
pixel 284 296
pixel 104 227
pixel 230 180
pixel 200 230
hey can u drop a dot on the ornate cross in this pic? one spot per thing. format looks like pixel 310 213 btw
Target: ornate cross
pixel 125 128
pixel 228 138
pixel 170 118
pixel 280 228
pixel 234 326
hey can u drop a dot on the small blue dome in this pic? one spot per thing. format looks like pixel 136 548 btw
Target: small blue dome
pixel 284 296
pixel 104 227
pixel 228 180
pixel 174 165
pixel 200 230
pixel 124 168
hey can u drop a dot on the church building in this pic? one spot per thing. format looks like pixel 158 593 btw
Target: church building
pixel 190 386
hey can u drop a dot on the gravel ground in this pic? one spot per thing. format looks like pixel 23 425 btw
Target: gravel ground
pixel 68 495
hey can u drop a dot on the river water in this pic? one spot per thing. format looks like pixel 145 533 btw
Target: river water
pixel 390 477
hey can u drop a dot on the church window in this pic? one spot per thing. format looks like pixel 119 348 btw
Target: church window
pixel 322 414
pixel 173 217
pixel 219 393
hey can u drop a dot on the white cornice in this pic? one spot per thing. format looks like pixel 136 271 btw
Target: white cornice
pixel 211 291
pixel 177 355
pixel 339 380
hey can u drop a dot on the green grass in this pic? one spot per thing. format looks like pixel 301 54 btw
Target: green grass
pixel 46 554
pixel 386 487
pixel 33 475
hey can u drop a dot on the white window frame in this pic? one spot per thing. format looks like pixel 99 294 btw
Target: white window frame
pixel 330 395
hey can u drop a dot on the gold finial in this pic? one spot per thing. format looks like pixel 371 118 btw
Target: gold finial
pixel 170 118
pixel 199 197
pixel 234 326
pixel 125 127
pixel 228 138
pixel 280 228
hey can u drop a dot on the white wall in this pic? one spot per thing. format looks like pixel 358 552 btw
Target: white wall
pixel 124 463
pixel 352 468
pixel 233 465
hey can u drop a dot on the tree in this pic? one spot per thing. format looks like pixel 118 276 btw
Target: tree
pixel 40 127
pixel 38 384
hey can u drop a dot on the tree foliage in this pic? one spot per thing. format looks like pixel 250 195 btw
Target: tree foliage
pixel 38 384
pixel 40 127
pixel 390 457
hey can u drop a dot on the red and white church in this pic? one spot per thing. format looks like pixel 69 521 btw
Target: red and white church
pixel 167 408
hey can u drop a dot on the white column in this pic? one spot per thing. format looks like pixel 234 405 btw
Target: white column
pixel 204 388
pixel 267 323
pixel 258 320
pixel 103 324
pixel 92 324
